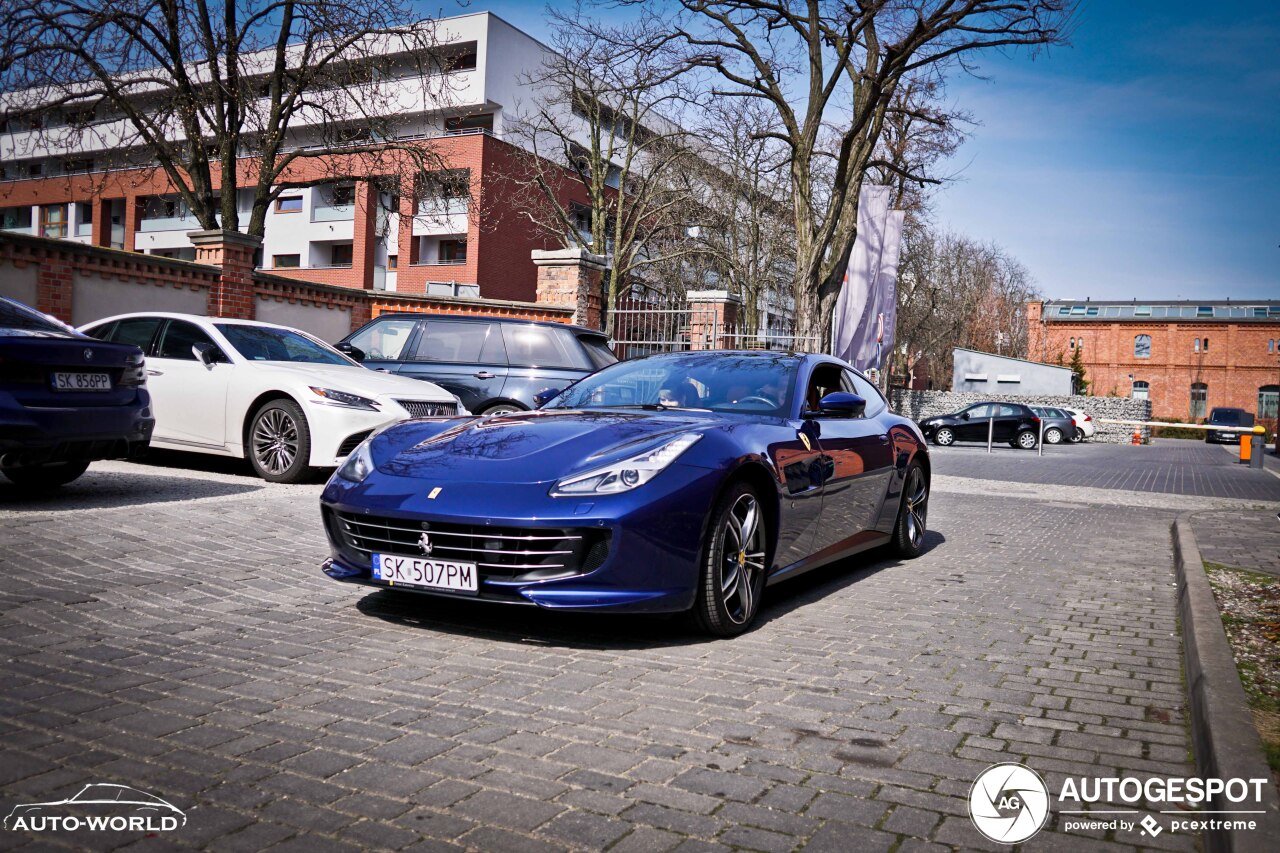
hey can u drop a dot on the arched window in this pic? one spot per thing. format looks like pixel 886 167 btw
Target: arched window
pixel 1269 401
pixel 1196 346
pixel 1199 400
pixel 1141 390
pixel 1206 345
pixel 1142 346
pixel 1271 345
pixel 1073 343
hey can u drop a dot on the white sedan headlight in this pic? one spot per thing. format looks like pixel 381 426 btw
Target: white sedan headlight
pixel 627 474
pixel 329 396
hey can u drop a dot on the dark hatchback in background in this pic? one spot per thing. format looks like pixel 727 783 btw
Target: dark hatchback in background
pixel 493 364
pixel 1227 417
pixel 1058 425
pixel 65 399
pixel 1014 423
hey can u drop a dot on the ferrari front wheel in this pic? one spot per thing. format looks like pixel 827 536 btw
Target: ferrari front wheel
pixel 734 560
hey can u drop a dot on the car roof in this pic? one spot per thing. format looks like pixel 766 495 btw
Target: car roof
pixel 197 318
pixel 489 318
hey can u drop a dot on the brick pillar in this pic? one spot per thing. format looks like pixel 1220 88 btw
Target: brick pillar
pixel 365 241
pixel 101 234
pixel 132 215
pixel 53 286
pixel 232 295
pixel 571 278
pixel 713 319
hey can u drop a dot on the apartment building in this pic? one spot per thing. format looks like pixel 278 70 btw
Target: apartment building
pixel 336 230
pixel 1186 357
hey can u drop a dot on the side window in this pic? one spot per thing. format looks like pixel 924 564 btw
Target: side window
pixel 459 341
pixel 542 346
pixel 179 336
pixel 1007 411
pixel 102 333
pixel 982 410
pixel 864 389
pixel 137 331
pixel 384 340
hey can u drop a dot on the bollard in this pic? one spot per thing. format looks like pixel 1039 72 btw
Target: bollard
pixel 991 430
pixel 1258 446
pixel 1040 442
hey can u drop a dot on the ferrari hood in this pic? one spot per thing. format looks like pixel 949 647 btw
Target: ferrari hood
pixel 526 447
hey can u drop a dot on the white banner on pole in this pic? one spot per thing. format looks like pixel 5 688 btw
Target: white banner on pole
pixel 866 310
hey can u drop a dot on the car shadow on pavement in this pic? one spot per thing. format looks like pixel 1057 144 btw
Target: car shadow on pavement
pixel 613 631
pixel 117 490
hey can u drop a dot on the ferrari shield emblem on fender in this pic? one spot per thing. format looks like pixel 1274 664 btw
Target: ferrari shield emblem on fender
pixel 804 439
pixel 431 495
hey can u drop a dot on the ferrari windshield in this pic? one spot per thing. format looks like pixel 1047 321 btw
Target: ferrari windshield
pixel 266 343
pixel 746 383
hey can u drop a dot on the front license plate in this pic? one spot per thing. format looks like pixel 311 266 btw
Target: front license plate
pixel 81 382
pixel 426 574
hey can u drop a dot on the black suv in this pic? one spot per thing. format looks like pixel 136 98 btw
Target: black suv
pixel 1013 423
pixel 492 364
pixel 1227 417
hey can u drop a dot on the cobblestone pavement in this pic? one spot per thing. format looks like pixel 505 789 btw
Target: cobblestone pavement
pixel 1243 540
pixel 183 642
pixel 1170 466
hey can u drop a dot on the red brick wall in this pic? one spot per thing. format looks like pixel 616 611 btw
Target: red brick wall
pixel 1235 366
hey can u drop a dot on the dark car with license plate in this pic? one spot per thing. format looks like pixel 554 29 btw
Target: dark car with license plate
pixel 1007 423
pixel 495 365
pixel 1227 417
pixel 65 399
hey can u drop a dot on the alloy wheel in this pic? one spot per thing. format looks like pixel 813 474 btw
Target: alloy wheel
pixel 944 437
pixel 1027 440
pixel 1053 436
pixel 917 506
pixel 275 441
pixel 741 558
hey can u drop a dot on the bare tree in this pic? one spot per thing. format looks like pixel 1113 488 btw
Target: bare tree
pixel 220 94
pixel 604 168
pixel 830 71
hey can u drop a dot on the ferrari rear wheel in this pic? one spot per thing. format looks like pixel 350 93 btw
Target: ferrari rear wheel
pixel 908 533
pixel 733 564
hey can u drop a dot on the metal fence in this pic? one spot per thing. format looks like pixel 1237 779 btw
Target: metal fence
pixel 645 327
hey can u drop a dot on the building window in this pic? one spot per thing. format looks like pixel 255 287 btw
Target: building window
pixel 393 261
pixel 343 196
pixel 1199 400
pixel 1205 345
pixel 284 262
pixel 340 255
pixel 20 217
pixel 289 204
pixel 53 220
pixel 35 170
pixel 1142 346
pixel 1271 345
pixel 1196 346
pixel 1073 343
pixel 453 251
pixel 77 167
pixel 461 124
pixel 1269 401
pixel 1141 390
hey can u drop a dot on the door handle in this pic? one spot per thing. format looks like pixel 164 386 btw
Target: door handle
pixel 151 372
pixel 484 374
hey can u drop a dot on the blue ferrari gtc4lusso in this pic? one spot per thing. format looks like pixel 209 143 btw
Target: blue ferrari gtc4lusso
pixel 683 481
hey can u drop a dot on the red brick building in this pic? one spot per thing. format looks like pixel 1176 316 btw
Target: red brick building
pixel 1186 357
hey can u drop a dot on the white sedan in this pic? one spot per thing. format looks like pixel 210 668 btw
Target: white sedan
pixel 1085 427
pixel 283 399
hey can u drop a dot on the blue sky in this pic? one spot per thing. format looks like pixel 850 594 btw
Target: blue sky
pixel 1143 161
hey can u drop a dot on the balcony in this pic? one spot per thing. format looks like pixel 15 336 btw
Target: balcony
pixel 333 212
pixel 169 223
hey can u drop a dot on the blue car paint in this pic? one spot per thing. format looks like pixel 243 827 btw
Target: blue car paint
pixel 500 471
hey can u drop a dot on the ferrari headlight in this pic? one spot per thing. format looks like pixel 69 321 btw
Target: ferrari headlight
pixel 343 399
pixel 627 474
pixel 358 465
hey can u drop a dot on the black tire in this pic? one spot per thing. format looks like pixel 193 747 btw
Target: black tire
pixel 279 442
pixel 502 409
pixel 944 437
pixel 725 606
pixel 1077 436
pixel 913 513
pixel 1053 435
pixel 48 476
pixel 1026 440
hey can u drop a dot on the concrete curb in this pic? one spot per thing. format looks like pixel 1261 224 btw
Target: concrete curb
pixel 1222 733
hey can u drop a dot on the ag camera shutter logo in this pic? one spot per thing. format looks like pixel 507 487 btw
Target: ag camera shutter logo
pixel 1008 803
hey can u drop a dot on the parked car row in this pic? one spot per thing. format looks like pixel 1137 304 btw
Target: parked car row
pixel 1015 424
pixel 278 397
